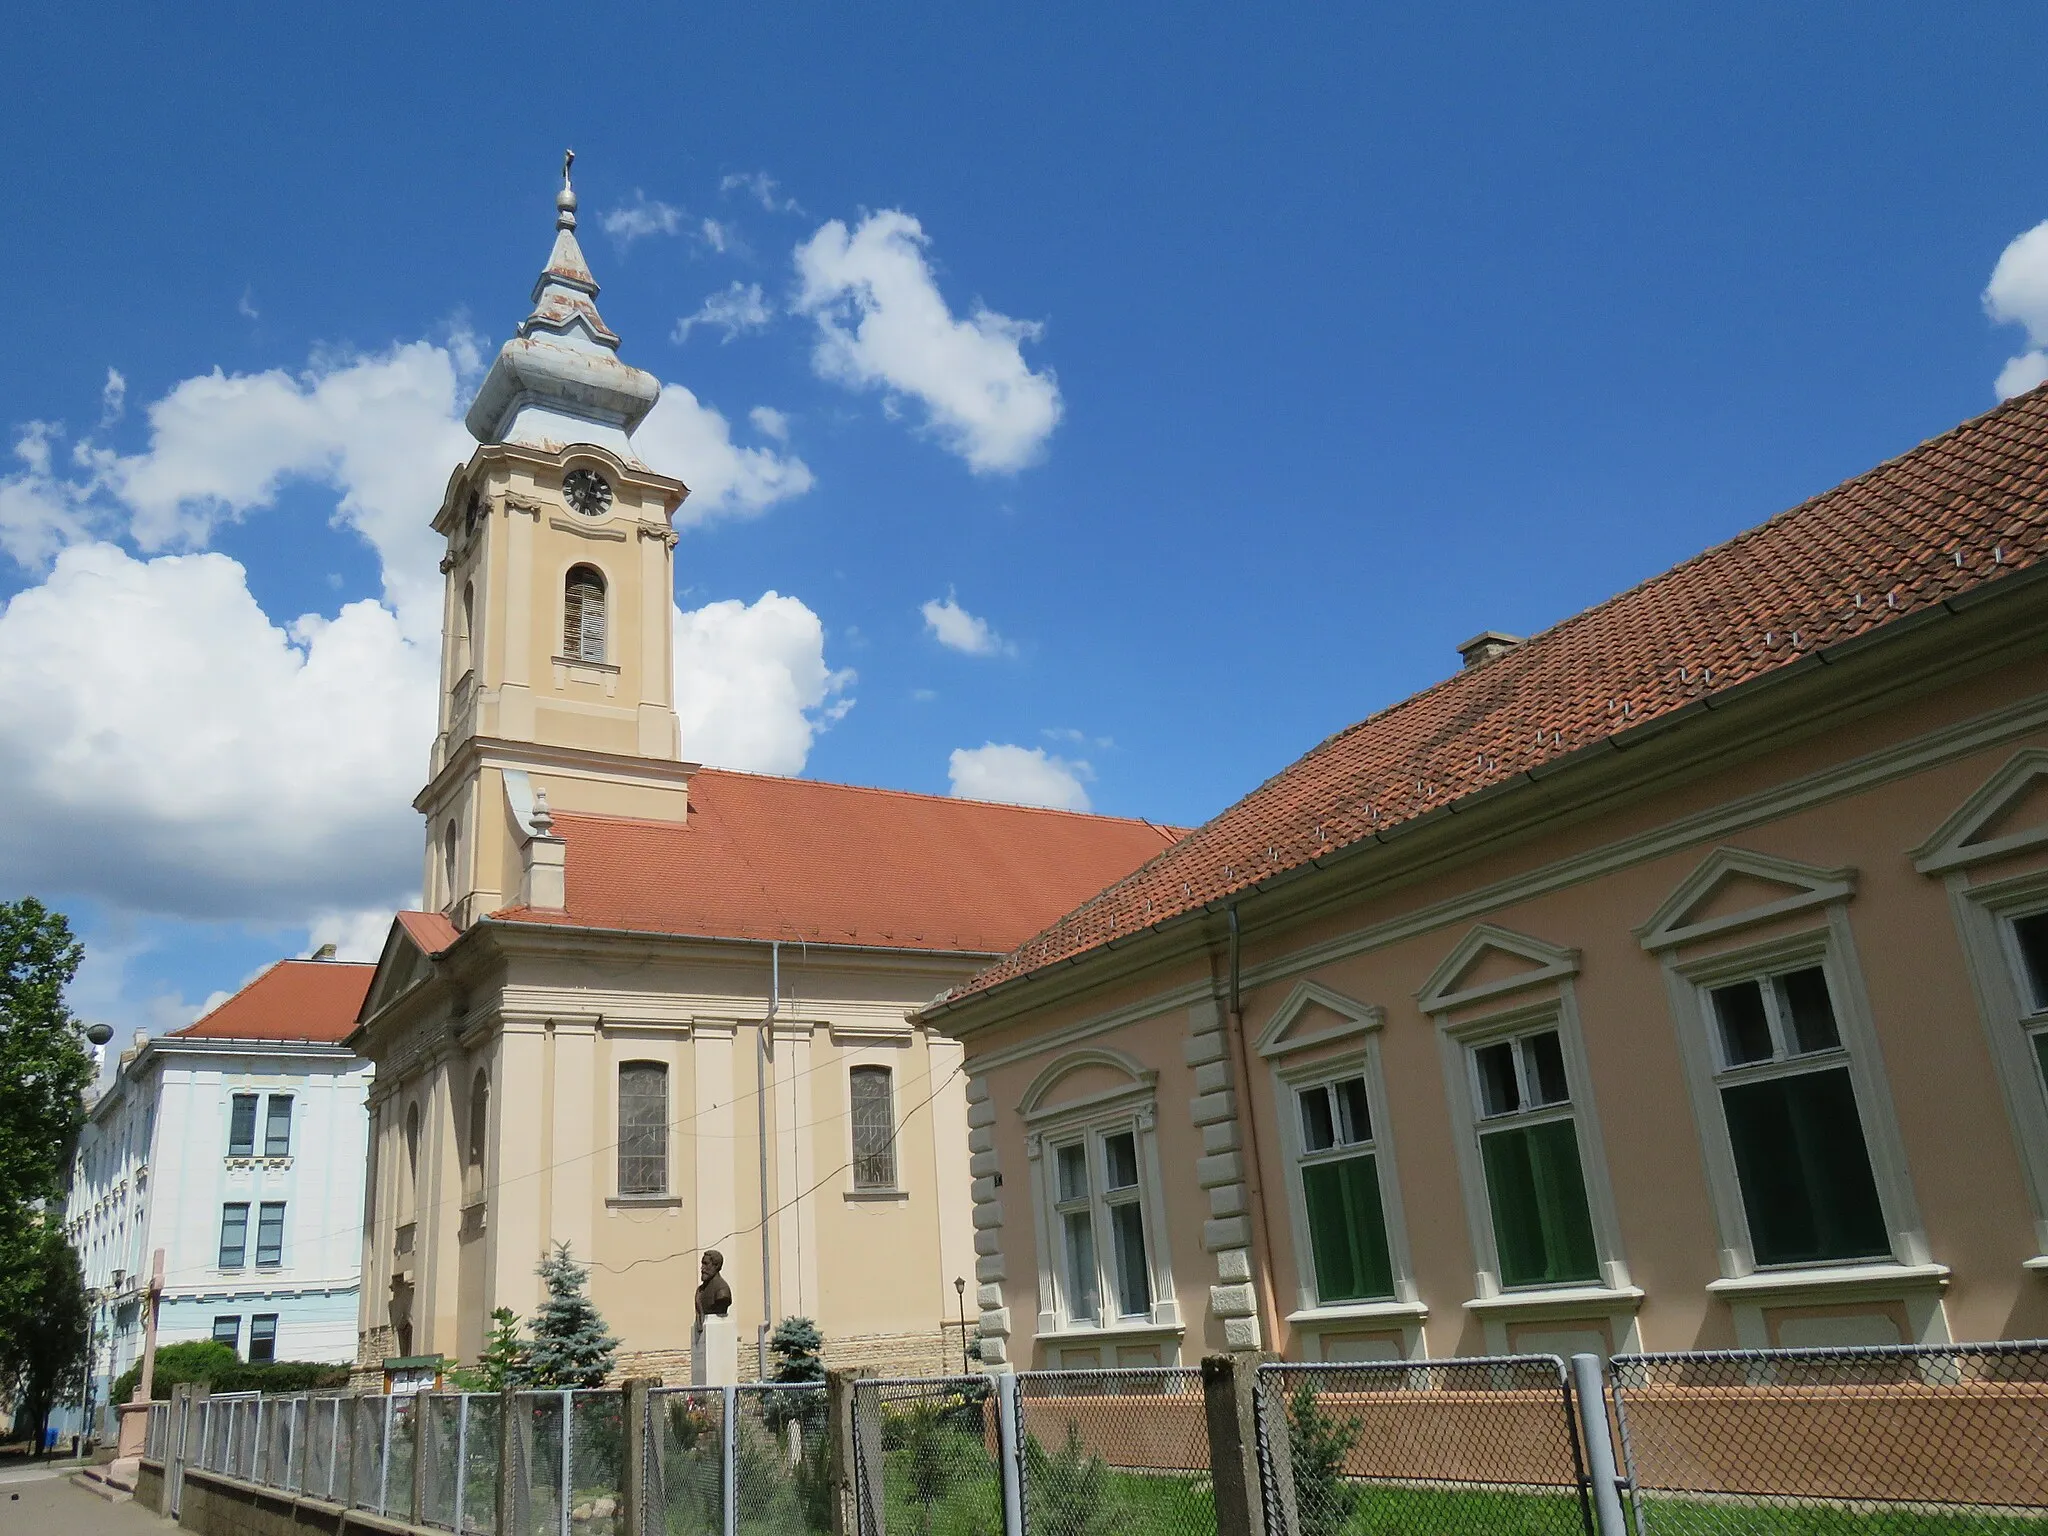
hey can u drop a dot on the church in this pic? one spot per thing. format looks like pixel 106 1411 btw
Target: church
pixel 653 1009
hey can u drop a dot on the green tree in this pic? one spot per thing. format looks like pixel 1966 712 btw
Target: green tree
pixel 42 1325
pixel 570 1347
pixel 1069 1488
pixel 176 1364
pixel 503 1361
pixel 1317 1443
pixel 44 1066
pixel 798 1348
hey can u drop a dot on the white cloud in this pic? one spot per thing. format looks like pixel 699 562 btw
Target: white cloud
pixel 762 188
pixel 166 745
pixel 246 305
pixel 113 397
pixel 383 430
pixel 958 630
pixel 356 935
pixel 882 323
pixel 720 237
pixel 741 307
pixel 686 438
pixel 752 686
pixel 41 512
pixel 2018 295
pixel 770 422
pixel 1018 776
pixel 640 218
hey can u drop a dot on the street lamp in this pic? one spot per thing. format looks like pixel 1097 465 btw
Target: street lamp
pixel 960 1290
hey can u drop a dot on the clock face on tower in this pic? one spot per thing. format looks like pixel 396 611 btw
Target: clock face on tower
pixel 587 492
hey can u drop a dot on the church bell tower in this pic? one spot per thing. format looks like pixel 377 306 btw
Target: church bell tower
pixel 557 658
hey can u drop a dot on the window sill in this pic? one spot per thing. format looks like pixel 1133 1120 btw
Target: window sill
pixel 644 1202
pixel 587 666
pixel 1838 1279
pixel 2038 1264
pixel 1075 1333
pixel 1567 1298
pixel 1359 1312
pixel 882 1195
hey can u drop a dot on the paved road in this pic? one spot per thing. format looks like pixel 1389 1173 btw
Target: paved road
pixel 39 1502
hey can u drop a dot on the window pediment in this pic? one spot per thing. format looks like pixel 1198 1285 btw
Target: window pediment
pixel 1313 1015
pixel 1491 962
pixel 2008 813
pixel 1736 888
pixel 1086 1079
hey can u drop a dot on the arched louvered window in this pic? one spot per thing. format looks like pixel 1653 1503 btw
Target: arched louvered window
pixel 465 637
pixel 583 615
pixel 408 1205
pixel 643 1128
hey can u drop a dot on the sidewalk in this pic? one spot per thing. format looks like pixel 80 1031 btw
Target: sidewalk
pixel 35 1502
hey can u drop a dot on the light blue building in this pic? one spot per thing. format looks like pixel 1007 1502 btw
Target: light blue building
pixel 236 1146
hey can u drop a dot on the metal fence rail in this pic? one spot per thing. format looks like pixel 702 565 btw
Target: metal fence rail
pixel 928 1457
pixel 1951 1438
pixel 1114 1450
pixel 1480 1445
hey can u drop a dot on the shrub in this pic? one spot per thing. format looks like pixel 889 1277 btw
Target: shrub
pixel 503 1361
pixel 1069 1489
pixel 1317 1444
pixel 204 1360
pixel 798 1348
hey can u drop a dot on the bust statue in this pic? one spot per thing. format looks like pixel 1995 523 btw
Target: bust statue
pixel 714 1296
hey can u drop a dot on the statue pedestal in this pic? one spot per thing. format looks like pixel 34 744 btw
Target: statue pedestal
pixel 715 1353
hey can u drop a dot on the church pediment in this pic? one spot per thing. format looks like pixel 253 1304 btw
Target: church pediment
pixel 1735 888
pixel 1492 962
pixel 1313 1015
pixel 407 958
pixel 2007 814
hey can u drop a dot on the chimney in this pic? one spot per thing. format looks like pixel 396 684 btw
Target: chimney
pixel 543 860
pixel 324 952
pixel 1486 645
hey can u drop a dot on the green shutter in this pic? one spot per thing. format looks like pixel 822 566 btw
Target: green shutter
pixel 1542 1227
pixel 1804 1169
pixel 1348 1230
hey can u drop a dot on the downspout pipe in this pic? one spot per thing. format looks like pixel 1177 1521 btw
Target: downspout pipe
pixel 761 1121
pixel 1255 1184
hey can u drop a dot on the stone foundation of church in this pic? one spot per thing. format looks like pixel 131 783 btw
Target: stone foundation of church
pixel 890 1354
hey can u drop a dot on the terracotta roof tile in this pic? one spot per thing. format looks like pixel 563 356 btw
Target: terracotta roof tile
pixel 1955 512
pixel 794 859
pixel 311 1000
pixel 431 931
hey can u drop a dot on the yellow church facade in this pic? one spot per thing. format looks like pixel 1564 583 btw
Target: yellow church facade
pixel 652 1009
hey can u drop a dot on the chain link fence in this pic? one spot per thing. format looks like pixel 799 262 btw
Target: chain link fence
pixel 927 1457
pixel 1115 1451
pixel 458 1470
pixel 685 1454
pixel 1463 1445
pixel 782 1462
pixel 568 1463
pixel 1884 1441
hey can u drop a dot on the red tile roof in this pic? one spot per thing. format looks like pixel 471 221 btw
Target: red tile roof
pixel 1960 510
pixel 311 1000
pixel 430 930
pixel 794 859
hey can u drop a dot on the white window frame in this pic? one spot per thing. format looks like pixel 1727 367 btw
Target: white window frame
pixel 1290 1082
pixel 1691 985
pixel 1984 917
pixel 1132 1109
pixel 1460 1043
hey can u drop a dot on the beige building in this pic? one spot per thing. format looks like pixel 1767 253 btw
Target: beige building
pixel 1677 978
pixel 656 1009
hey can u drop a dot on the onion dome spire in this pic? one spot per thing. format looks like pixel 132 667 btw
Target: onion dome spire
pixel 559 380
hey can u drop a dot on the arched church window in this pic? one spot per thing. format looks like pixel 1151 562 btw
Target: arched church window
pixel 874 1128
pixel 583 615
pixel 466 619
pixel 408 1208
pixel 479 1132
pixel 643 1128
pixel 448 864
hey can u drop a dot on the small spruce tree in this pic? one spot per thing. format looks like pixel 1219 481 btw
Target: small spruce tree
pixel 570 1347
pixel 798 1348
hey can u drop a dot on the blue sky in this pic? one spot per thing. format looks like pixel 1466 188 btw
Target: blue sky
pixel 1277 355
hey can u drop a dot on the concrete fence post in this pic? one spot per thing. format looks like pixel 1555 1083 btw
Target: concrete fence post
pixel 634 1493
pixel 1591 1396
pixel 1229 1385
pixel 508 1503
pixel 729 1459
pixel 420 1449
pixel 845 1438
